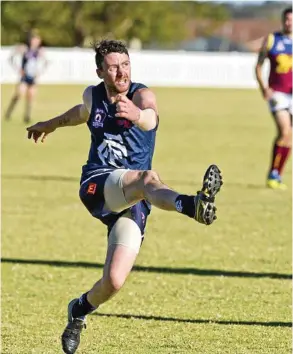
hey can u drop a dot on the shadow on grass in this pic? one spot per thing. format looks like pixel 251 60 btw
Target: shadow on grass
pixel 199 321
pixel 151 269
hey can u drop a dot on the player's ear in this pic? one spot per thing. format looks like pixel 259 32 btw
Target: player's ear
pixel 100 73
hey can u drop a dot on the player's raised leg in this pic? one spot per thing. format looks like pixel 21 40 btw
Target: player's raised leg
pixel 138 185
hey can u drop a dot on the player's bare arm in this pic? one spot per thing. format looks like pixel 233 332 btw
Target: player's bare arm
pixel 18 50
pixel 142 110
pixel 78 114
pixel 262 55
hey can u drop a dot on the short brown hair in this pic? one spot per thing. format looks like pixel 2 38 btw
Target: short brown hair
pixel 105 47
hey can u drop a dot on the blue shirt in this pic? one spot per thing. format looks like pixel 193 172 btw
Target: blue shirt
pixel 116 142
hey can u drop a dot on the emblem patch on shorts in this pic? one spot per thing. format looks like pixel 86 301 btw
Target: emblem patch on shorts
pixel 91 188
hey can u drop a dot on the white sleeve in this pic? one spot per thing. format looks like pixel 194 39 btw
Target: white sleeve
pixel 87 98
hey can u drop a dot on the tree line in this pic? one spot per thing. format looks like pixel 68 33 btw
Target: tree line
pixel 79 23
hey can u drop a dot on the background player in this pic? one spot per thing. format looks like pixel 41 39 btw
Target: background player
pixel 31 54
pixel 118 185
pixel 277 47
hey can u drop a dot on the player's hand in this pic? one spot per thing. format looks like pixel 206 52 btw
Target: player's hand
pixel 126 109
pixel 268 93
pixel 39 131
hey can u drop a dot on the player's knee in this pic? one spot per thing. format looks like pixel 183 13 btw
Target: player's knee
pixel 114 281
pixel 149 176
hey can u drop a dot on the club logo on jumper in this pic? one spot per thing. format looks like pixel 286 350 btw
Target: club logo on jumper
pixel 92 188
pixel 280 47
pixel 99 118
pixel 112 150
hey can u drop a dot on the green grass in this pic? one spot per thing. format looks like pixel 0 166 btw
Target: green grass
pixel 195 289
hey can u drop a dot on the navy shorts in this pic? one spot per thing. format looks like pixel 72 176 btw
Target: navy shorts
pixel 91 193
pixel 29 80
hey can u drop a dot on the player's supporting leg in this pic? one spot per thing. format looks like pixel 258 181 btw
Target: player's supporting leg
pixel 138 185
pixel 19 92
pixel 281 149
pixel 30 94
pixel 123 246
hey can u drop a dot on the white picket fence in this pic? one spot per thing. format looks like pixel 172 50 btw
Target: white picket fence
pixel 154 68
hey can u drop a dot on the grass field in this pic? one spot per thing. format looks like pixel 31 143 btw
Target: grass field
pixel 195 289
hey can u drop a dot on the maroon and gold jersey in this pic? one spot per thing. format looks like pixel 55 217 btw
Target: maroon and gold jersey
pixel 279 47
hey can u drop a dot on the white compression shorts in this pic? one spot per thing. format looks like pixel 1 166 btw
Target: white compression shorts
pixel 126 232
pixel 280 101
pixel 113 192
